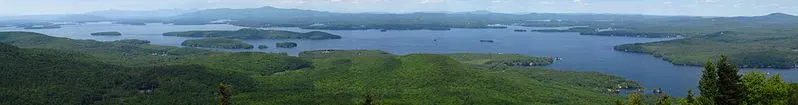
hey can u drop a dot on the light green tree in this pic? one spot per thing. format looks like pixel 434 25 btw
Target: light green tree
pixel 762 90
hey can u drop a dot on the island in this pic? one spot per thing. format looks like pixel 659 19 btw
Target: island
pixel 286 44
pixel 262 47
pixel 223 43
pixel 252 33
pixel 109 33
pixel 132 41
pixel 612 32
pixel 41 27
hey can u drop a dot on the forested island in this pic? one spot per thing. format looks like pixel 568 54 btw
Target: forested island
pixel 251 33
pixel 611 32
pixel 285 44
pixel 109 33
pixel 132 41
pixel 224 43
pixel 92 72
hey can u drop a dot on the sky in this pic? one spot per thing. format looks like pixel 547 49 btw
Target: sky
pixel 649 7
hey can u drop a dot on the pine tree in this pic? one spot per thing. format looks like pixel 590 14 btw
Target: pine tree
pixel 730 90
pixel 634 99
pixel 369 100
pixel 708 83
pixel 690 98
pixel 665 100
pixel 225 92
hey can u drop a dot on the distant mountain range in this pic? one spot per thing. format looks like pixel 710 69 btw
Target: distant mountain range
pixel 271 16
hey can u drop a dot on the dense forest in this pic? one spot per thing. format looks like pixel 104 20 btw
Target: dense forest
pixel 48 70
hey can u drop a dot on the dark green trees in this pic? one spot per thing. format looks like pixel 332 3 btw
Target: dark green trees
pixel 225 92
pixel 707 84
pixel 665 100
pixel 286 44
pixel 730 90
pixel 690 97
pixel 720 84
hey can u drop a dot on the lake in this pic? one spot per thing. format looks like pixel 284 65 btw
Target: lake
pixel 579 52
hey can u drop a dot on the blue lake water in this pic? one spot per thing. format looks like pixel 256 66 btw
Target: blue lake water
pixel 579 52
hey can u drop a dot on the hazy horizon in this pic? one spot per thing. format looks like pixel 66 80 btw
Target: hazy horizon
pixel 644 7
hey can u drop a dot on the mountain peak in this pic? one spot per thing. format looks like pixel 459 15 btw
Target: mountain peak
pixel 779 15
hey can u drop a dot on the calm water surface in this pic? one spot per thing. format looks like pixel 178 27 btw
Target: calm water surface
pixel 579 53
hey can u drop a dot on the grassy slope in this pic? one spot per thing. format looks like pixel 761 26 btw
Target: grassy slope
pixel 86 72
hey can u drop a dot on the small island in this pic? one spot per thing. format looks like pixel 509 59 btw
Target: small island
pixel 132 41
pixel 224 43
pixel 286 44
pixel 110 33
pixel 262 47
pixel 252 33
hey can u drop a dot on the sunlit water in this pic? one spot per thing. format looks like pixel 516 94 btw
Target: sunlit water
pixel 579 53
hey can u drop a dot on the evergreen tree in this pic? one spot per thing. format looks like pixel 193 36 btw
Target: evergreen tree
pixel 690 98
pixel 225 92
pixel 634 99
pixel 683 102
pixel 618 102
pixel 730 90
pixel 665 100
pixel 369 100
pixel 708 83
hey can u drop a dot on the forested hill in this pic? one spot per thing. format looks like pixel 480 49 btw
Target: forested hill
pixel 49 70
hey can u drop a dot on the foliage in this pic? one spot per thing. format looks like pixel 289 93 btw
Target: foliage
pixel 708 83
pixel 664 100
pixel 730 90
pixel 634 99
pixel 761 90
pixel 225 94
pixel 217 43
pixel 252 33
